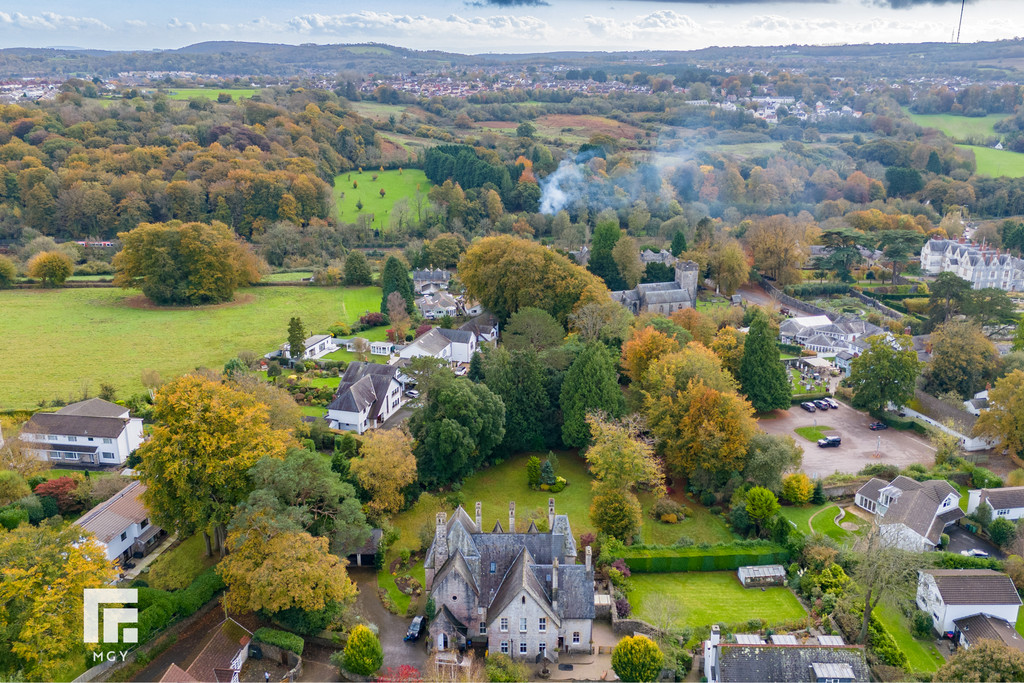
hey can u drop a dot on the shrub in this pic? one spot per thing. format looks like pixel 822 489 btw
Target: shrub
pixel 707 498
pixel 797 488
pixel 637 658
pixel 667 506
pixel 62 490
pixel 501 668
pixel 199 592
pixel 883 645
pixel 308 622
pixel 363 654
pixel 559 485
pixel 921 624
pixel 623 608
pixel 33 507
pixel 533 471
pixel 944 540
pixel 12 487
pixel 12 516
pixel 1001 531
pixel 373 319
pixel 282 639
pixel 669 519
pixel 151 620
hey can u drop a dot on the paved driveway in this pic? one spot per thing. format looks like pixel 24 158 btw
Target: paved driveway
pixel 900 448
pixel 392 627
pixel 962 539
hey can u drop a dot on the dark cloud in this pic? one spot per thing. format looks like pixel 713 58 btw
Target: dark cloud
pixel 508 3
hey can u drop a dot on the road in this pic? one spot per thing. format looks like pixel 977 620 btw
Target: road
pixel 894 447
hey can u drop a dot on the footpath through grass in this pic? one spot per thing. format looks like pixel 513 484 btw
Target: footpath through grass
pixel 396 184
pixel 67 339
pixel 700 598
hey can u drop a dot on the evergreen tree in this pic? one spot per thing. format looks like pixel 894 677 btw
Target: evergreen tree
pixel 934 164
pixel 818 497
pixel 357 269
pixel 763 378
pixel 517 378
pixel 395 278
pixel 590 384
pixel 678 243
pixel 601 263
pixel 476 368
pixel 296 338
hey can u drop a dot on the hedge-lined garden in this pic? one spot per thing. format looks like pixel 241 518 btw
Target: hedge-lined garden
pixel 725 556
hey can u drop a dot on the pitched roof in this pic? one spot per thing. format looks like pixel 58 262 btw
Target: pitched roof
pixel 520 577
pixel 974 587
pixel 872 488
pixel 484 323
pixel 986 627
pixel 215 658
pixel 363 384
pixel 785 663
pixel 175 674
pixel 1004 499
pixel 108 519
pixel 917 506
pixel 75 425
pixel 575 592
pixel 431 343
pixel 459 336
pixel 94 407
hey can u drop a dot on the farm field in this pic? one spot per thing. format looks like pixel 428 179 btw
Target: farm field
pixel 396 184
pixel 75 338
pixel 997 162
pixel 694 599
pixel 287 277
pixel 959 127
pixel 210 93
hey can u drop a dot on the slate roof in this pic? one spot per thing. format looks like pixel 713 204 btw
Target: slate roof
pixel 108 519
pixel 459 336
pixel 785 663
pixel 917 506
pixel 372 544
pixel 75 425
pixel 1004 499
pixel 974 587
pixel 428 275
pixel 986 627
pixel 521 577
pixel 94 407
pixel 575 592
pixel 431 343
pixel 215 658
pixel 363 384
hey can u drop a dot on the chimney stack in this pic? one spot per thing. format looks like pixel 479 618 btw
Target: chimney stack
pixel 512 517
pixel 554 585
pixel 716 635
pixel 551 514
pixel 479 516
pixel 589 555
pixel 441 540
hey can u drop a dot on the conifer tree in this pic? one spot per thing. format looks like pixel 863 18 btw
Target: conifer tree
pixel 395 278
pixel 590 384
pixel 762 376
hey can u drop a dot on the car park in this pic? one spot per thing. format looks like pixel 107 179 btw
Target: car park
pixel 415 629
pixel 822 404
pixel 830 442
pixel 808 406
pixel 832 403
pixel 876 426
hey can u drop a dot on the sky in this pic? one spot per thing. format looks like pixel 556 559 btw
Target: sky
pixel 480 26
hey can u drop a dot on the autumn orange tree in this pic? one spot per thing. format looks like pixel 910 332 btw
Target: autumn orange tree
pixel 45 571
pixel 385 466
pixel 207 437
pixel 643 348
pixel 1004 419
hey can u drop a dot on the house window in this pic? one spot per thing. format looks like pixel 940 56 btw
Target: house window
pixel 542 625
pixel 503 625
pixel 522 648
pixel 522 624
pixel 1002 512
pixel 542 647
pixel 945 503
pixel 91 439
pixel 494 567
pixel 107 455
pixel 51 437
pixel 124 535
pixel 70 456
pixel 72 438
pixel 483 628
pixel 504 647
pixel 575 637
pixel 144 523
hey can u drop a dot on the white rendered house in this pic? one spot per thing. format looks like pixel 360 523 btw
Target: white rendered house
pixel 92 433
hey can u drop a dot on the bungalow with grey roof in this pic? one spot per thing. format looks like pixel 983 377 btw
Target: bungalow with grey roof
pixel 911 514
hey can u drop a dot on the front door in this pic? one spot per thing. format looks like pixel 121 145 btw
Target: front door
pixel 561 642
pixel 442 642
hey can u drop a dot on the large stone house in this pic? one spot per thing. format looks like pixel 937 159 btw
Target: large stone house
pixel 663 297
pixel 92 433
pixel 826 336
pixel 911 514
pixel 980 265
pixel 520 594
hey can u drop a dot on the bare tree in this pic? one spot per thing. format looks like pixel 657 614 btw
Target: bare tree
pixel 398 315
pixel 883 570
pixel 361 348
pixel 152 381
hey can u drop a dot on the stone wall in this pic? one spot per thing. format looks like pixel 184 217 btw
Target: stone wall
pixel 787 300
pixel 282 656
pixel 877 305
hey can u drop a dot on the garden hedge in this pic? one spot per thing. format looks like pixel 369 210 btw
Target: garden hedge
pixel 722 557
pixel 800 398
pixel 281 639
pixel 791 349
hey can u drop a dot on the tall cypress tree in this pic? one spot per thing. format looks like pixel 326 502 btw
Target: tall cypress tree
pixel 601 263
pixel 296 338
pixel 590 384
pixel 516 377
pixel 395 278
pixel 763 378
pixel 678 243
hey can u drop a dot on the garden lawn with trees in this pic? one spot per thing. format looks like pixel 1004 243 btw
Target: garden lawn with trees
pixel 105 335
pixel 397 184
pixel 694 599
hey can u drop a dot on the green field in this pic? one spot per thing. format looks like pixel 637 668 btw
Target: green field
pixel 997 162
pixel 378 110
pixel 922 655
pixel 73 338
pixel 801 516
pixel 959 127
pixel 697 599
pixel 396 184
pixel 287 277
pixel 209 93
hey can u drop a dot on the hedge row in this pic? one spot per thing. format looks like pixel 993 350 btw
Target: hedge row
pixel 893 297
pixel 800 398
pixel 791 349
pixel 695 559
pixel 817 289
pixel 282 639
pixel 904 424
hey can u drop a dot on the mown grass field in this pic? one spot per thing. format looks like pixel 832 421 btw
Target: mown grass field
pixel 997 162
pixel 813 433
pixel 697 599
pixel 396 185
pixel 959 127
pixel 59 340
pixel 210 93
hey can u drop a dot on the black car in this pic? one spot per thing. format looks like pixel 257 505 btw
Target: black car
pixel 808 406
pixel 822 404
pixel 875 426
pixel 415 628
pixel 830 442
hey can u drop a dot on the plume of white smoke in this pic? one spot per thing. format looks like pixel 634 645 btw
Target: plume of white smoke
pixel 561 187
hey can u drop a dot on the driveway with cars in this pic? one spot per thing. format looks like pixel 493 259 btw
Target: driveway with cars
pixel 961 539
pixel 858 449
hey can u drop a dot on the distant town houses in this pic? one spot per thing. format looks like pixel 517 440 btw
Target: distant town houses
pixel 663 297
pixel 121 524
pixel 980 265
pixel 521 594
pixel 910 514
pixel 93 433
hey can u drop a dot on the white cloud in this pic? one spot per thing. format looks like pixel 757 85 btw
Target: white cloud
pixel 176 24
pixel 368 24
pixel 50 21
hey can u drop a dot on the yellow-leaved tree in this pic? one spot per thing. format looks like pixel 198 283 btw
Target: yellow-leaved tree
pixel 385 466
pixel 195 465
pixel 45 571
pixel 643 348
pixel 1004 419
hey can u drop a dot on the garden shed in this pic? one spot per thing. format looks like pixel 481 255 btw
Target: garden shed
pixel 762 575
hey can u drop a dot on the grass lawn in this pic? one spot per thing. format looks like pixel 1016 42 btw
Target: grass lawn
pixel 700 598
pixel 801 516
pixel 922 655
pixel 287 277
pixel 708 305
pixel 386 580
pixel 396 185
pixel 97 335
pixel 813 433
pixel 57 472
pixel 313 411
pixel 177 568
pixel 700 526
pixel 959 127
pixel 997 162
pixel 210 93
pixel 823 523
